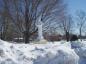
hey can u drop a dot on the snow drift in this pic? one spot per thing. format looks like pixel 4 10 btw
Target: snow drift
pixel 36 54
pixel 80 49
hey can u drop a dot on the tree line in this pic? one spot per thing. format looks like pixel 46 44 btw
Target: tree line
pixel 18 18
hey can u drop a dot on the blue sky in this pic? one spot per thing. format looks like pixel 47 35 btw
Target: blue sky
pixel 75 5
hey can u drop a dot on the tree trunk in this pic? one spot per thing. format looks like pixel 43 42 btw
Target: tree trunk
pixel 80 34
pixel 67 36
pixel 1 36
pixel 27 27
pixel 26 37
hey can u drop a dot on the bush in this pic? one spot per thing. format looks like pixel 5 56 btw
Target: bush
pixel 74 38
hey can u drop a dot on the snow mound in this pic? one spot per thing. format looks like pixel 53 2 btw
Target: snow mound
pixel 80 49
pixel 36 54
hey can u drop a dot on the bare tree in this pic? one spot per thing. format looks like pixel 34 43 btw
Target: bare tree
pixel 33 9
pixel 24 14
pixel 67 25
pixel 48 8
pixel 7 28
pixel 81 21
pixel 4 23
pixel 52 22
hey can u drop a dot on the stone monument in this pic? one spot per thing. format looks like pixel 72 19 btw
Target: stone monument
pixel 39 25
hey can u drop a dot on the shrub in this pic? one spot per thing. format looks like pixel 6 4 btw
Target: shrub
pixel 74 38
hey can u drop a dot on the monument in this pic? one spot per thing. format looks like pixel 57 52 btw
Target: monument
pixel 39 25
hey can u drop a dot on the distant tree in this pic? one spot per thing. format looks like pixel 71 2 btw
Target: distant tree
pixel 67 25
pixel 81 22
pixel 6 25
pixel 1 28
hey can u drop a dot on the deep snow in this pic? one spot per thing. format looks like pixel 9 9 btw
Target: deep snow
pixel 80 49
pixel 50 53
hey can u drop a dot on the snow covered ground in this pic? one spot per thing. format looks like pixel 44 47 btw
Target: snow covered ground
pixel 80 49
pixel 50 53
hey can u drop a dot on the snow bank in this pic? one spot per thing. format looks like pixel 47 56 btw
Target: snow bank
pixel 80 49
pixel 36 54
